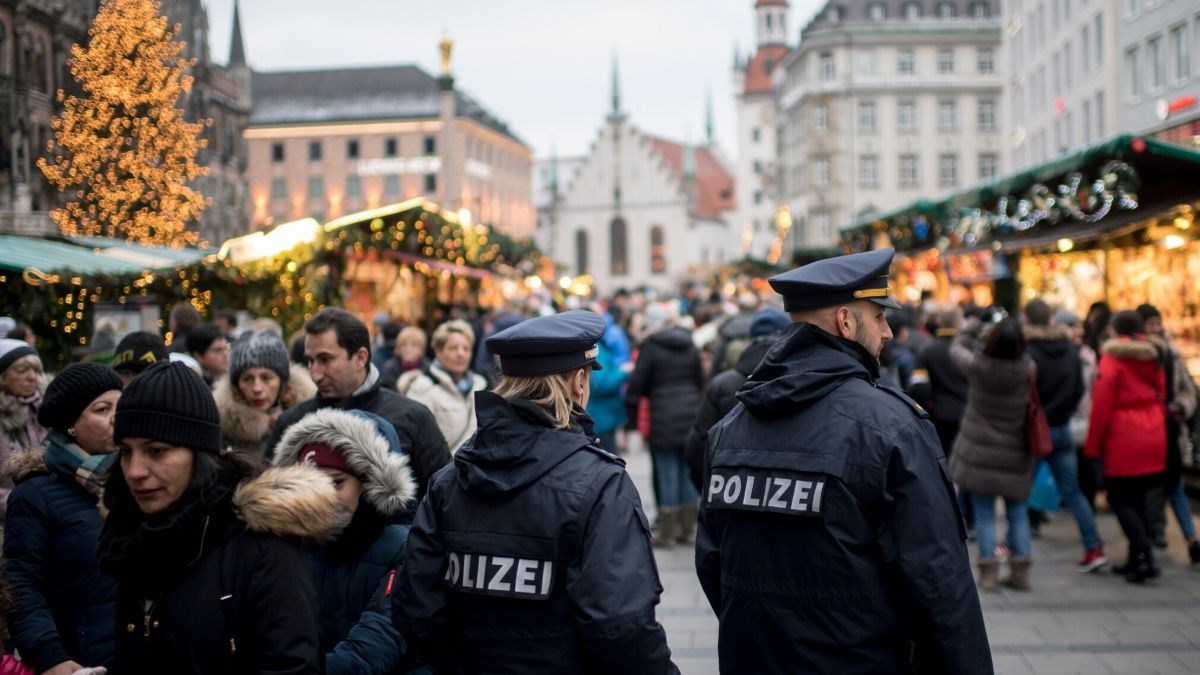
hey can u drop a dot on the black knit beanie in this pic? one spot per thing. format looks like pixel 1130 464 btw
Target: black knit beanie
pixel 137 350
pixel 72 391
pixel 169 402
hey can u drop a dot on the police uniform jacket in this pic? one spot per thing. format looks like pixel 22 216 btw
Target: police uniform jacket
pixel 531 553
pixel 829 539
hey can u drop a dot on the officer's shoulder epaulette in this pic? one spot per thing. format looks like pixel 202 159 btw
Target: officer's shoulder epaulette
pixel 595 449
pixel 911 404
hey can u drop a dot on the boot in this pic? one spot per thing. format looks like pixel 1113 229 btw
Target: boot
pixel 1018 574
pixel 1130 560
pixel 687 524
pixel 668 527
pixel 989 573
pixel 1140 567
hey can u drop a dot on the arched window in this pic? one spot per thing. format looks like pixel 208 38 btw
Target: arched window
pixel 980 10
pixel 581 252
pixel 617 246
pixel 945 10
pixel 658 250
pixel 912 10
pixel 876 11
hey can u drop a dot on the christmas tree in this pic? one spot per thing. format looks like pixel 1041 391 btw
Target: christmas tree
pixel 122 151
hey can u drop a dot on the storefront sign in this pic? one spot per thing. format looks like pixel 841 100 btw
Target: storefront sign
pixel 1167 108
pixel 392 166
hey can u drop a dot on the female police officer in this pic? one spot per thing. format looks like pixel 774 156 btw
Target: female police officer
pixel 531 552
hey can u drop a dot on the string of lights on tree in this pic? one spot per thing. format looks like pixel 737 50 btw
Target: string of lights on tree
pixel 1075 200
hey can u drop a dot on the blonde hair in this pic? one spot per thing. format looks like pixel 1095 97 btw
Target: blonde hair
pixel 411 335
pixel 442 332
pixel 549 391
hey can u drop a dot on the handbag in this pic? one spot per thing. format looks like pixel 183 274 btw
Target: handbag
pixel 11 665
pixel 1037 429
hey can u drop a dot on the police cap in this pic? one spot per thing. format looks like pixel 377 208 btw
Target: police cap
pixel 549 344
pixel 837 281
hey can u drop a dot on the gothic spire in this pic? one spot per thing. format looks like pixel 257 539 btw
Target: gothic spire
pixel 237 49
pixel 616 88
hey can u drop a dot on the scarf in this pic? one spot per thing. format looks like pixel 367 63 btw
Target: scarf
pixel 464 384
pixel 66 458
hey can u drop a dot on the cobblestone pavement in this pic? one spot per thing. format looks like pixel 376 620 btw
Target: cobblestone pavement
pixel 1070 622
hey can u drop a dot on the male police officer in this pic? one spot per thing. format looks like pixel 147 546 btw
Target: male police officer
pixel 829 539
pixel 531 553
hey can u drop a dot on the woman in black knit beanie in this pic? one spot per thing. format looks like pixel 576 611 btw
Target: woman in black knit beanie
pixel 210 577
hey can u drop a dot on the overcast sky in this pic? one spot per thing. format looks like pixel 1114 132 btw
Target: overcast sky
pixel 543 66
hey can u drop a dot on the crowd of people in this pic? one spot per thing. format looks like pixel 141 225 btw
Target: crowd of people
pixel 238 500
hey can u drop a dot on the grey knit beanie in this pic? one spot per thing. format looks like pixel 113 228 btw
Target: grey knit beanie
pixel 263 349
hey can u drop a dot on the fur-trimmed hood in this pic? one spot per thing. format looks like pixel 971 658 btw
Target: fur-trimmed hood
pixel 245 425
pixel 1051 333
pixel 15 412
pixel 22 465
pixel 370 446
pixel 291 501
pixel 1132 349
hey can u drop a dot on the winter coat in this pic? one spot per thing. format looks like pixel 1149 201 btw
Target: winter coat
pixel 1059 370
pixel 393 369
pixel 435 389
pixel 606 404
pixel 667 372
pixel 63 605
pixel 355 574
pixel 246 428
pixel 718 401
pixel 829 540
pixel 938 384
pixel 1079 419
pixel 419 435
pixel 220 584
pixel 532 554
pixel 1128 425
pixel 19 431
pixel 732 339
pixel 990 456
pixel 1183 392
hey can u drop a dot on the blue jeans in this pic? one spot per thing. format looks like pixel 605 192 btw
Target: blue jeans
pixel 985 525
pixel 675 487
pixel 1064 466
pixel 1183 510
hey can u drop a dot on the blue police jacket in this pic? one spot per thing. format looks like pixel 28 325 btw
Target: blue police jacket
pixel 829 539
pixel 531 553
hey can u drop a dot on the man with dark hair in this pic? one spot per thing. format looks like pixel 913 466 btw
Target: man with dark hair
pixel 227 321
pixel 209 346
pixel 337 348
pixel 183 319
pixel 1060 387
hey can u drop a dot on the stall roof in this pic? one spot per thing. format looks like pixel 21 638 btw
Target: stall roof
pixel 88 256
pixel 1117 147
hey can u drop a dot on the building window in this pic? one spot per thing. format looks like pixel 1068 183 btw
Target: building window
pixel 868 171
pixel 876 11
pixel 906 63
pixel 352 149
pixel 945 10
pixel 820 173
pixel 430 183
pixel 756 134
pixel 947 115
pixel 316 187
pixel 945 60
pixel 909 174
pixel 581 252
pixel 821 228
pixel 1057 68
pixel 353 186
pixel 658 250
pixel 1181 52
pixel 987 114
pixel 821 118
pixel 758 197
pixel 866 116
pixel 390 147
pixel 985 60
pixel 278 188
pixel 987 165
pixel 277 152
pixel 391 184
pixel 825 64
pixel 1067 65
pixel 864 60
pixel 1085 47
pixel 906 116
pixel 1098 33
pixel 1133 72
pixel 1157 64
pixel 1132 6
pixel 912 11
pixel 618 247
pixel 314 151
pixel 1100 114
pixel 430 145
pixel 947 170
pixel 1087 121
pixel 980 10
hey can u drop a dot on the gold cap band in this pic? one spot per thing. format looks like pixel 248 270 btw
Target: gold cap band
pixel 872 293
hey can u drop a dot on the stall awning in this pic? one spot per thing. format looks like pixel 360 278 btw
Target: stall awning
pixel 86 256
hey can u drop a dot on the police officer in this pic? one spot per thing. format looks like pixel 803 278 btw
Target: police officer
pixel 829 538
pixel 531 552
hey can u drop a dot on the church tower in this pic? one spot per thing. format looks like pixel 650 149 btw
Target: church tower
pixel 771 16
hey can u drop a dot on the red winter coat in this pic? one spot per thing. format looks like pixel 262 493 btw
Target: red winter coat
pixel 1128 424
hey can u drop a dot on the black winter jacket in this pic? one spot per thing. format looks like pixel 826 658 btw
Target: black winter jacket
pixel 419 435
pixel 531 554
pixel 1059 371
pixel 63 605
pixel 668 373
pixel 829 539
pixel 201 593
pixel 938 384
pixel 718 401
